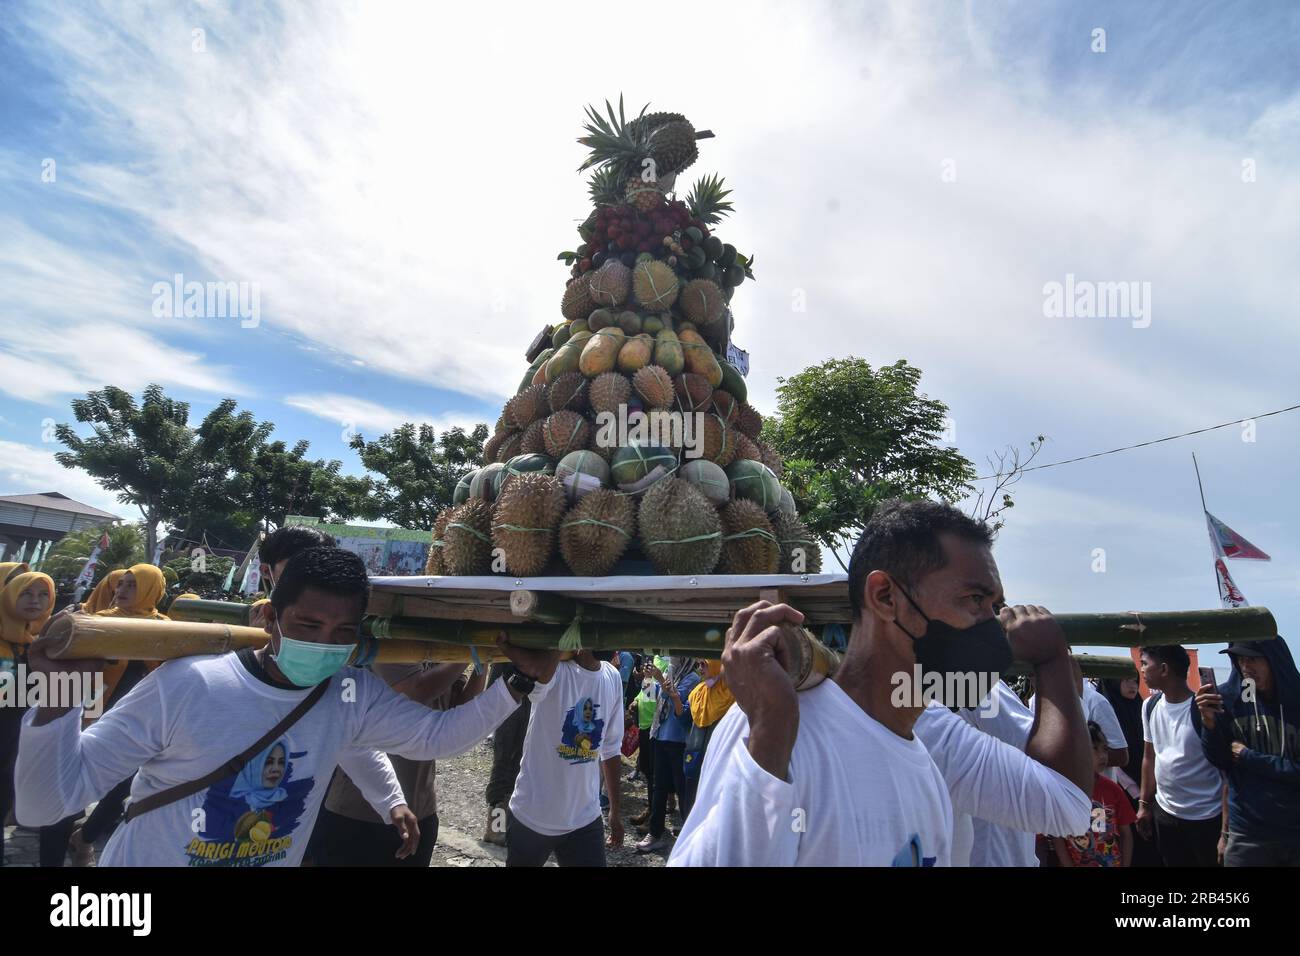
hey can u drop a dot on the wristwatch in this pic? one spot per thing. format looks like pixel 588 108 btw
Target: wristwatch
pixel 520 682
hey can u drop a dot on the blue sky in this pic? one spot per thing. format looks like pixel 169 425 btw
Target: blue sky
pixel 396 182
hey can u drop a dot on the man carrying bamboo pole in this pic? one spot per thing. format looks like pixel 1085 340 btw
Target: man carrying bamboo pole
pixel 234 753
pixel 834 775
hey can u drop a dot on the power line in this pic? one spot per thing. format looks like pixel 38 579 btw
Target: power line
pixel 1155 441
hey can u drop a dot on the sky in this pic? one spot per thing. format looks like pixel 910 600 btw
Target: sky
pixel 395 180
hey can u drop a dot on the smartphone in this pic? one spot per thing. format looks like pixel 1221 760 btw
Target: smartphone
pixel 1207 678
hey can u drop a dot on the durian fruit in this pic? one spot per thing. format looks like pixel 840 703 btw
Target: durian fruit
pixel 526 407
pixel 701 302
pixel 718 443
pixel 482 484
pixel 569 391
pixel 525 520
pixel 467 539
pixel 749 421
pixel 492 446
pixel 531 442
pixel 435 564
pixel 596 531
pixel 564 432
pixel 771 457
pixel 654 284
pixel 724 405
pixel 755 481
pixel 679 528
pixel 608 391
pixel 502 426
pixel 800 552
pixel 509 446
pixel 749 545
pixel 709 478
pixel 693 392
pixel 577 302
pixel 746 449
pixel 581 472
pixel 654 385
pixel 611 284
pixel 672 140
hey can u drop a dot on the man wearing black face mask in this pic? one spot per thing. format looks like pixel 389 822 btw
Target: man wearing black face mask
pixel 857 787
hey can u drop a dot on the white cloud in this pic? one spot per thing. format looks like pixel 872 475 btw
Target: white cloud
pixel 27 469
pixel 362 415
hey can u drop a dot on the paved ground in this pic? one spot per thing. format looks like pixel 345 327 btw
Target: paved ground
pixel 462 816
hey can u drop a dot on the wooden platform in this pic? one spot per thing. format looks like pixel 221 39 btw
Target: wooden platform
pixel 705 598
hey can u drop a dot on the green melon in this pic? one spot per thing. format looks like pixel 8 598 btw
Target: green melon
pixel 461 494
pixel 754 480
pixel 708 478
pixel 482 485
pixel 520 465
pixel 580 472
pixel 632 464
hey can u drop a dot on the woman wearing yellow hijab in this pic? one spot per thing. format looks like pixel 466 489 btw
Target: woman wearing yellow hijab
pixel 9 568
pixel 139 590
pixel 101 598
pixel 136 593
pixel 25 605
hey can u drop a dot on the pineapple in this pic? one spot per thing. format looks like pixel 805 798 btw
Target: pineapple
pixel 708 200
pixel 643 195
pixel 666 138
pixel 672 141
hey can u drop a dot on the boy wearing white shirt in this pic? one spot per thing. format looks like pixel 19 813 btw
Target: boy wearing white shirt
pixel 575 733
pixel 1182 792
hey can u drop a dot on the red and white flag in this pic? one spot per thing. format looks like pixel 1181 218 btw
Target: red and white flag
pixel 1229 544
pixel 88 571
pixel 1229 594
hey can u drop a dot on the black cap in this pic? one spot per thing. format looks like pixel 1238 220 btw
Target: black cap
pixel 1243 650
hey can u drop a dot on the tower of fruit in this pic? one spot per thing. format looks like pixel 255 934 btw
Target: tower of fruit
pixel 630 446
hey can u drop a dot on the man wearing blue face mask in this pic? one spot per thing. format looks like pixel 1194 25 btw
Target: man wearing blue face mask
pixel 836 775
pixel 224 778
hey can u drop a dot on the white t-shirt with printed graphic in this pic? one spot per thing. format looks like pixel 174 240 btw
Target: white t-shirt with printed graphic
pixel 576 722
pixel 187 717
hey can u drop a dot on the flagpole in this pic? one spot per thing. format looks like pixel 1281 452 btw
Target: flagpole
pixel 1198 482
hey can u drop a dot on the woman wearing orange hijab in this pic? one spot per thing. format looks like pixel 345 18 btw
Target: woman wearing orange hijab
pixel 25 605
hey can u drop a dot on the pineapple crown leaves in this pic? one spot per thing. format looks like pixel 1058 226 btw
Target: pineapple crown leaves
pixel 615 141
pixel 606 187
pixel 707 200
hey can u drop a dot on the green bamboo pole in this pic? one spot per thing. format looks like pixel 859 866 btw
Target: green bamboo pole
pixel 1127 629
pixel 1092 665
pixel 210 612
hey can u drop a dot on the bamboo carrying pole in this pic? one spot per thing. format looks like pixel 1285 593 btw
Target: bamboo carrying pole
pixel 89 637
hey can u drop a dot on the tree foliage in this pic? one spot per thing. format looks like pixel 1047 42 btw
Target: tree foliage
pixel 420 470
pixel 852 437
pixel 68 556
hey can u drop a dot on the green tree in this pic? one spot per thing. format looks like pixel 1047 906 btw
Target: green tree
pixel 851 437
pixel 143 452
pixel 420 470
pixel 68 556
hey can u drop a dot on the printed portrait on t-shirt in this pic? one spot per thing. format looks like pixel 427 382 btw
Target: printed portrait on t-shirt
pixel 581 735
pixel 249 818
